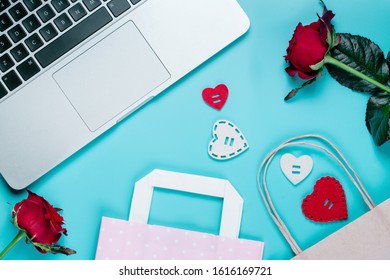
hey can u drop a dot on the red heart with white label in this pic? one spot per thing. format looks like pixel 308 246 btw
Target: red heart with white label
pixel 327 202
pixel 216 97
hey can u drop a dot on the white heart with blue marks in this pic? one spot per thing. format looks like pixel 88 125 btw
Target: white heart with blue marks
pixel 228 141
pixel 296 169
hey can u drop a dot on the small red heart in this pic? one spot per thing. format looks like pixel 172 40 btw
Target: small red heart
pixel 216 97
pixel 327 202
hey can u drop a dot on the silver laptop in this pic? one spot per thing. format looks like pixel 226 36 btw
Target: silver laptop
pixel 71 69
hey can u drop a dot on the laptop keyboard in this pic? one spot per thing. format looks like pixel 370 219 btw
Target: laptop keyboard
pixel 35 33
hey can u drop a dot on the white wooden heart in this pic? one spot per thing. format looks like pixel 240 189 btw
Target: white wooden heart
pixel 228 141
pixel 296 169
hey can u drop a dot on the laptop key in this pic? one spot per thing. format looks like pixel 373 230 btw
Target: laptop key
pixel 31 23
pixel 17 12
pixel 5 43
pixel 19 52
pixel 3 91
pixel 134 1
pixel 11 80
pixel 28 68
pixel 63 22
pixel 5 22
pixel 77 12
pixel 17 33
pixel 4 4
pixel 73 37
pixel 32 4
pixel 92 4
pixel 45 13
pixel 48 32
pixel 60 5
pixel 33 42
pixel 118 7
pixel 6 63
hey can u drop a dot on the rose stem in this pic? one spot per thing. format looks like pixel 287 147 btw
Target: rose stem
pixel 17 238
pixel 333 61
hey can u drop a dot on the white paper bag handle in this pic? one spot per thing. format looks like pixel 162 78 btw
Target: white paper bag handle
pixel 297 141
pixel 232 203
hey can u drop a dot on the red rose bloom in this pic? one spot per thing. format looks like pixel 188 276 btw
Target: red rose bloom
pixel 309 46
pixel 40 220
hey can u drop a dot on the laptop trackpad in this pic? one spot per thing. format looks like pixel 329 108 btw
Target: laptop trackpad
pixel 112 75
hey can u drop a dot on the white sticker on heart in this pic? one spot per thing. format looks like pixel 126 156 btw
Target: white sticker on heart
pixel 228 141
pixel 296 169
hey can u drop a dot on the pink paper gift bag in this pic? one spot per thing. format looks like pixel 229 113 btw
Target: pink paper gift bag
pixel 136 240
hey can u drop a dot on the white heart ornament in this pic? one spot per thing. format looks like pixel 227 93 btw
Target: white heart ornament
pixel 228 141
pixel 296 169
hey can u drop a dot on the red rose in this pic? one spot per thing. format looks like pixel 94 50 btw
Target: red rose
pixel 39 220
pixel 309 46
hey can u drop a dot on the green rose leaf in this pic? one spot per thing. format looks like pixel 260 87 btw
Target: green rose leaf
pixel 378 117
pixel 388 61
pixel 362 55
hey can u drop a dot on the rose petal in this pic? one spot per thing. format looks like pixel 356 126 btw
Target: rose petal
pixel 304 76
pixel 315 26
pixel 292 42
pixel 291 71
pixel 307 76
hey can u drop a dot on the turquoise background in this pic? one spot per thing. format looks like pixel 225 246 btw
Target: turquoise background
pixel 173 132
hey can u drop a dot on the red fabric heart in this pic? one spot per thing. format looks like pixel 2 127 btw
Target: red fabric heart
pixel 327 202
pixel 216 97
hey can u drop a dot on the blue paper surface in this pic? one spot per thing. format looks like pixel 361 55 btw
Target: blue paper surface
pixel 173 132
